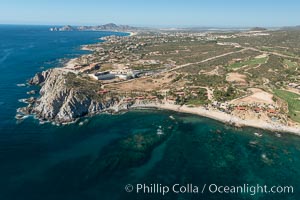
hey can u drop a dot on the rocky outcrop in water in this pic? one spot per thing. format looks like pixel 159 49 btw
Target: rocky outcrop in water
pixel 39 78
pixel 61 101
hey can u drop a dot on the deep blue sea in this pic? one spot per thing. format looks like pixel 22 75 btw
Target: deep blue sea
pixel 95 161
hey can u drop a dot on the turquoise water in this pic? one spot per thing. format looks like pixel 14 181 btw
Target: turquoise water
pixel 96 160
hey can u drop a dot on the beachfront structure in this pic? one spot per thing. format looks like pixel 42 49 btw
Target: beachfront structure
pixel 124 73
pixel 122 76
pixel 106 75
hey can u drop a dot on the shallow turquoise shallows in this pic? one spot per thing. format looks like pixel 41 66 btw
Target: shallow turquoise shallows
pixel 97 159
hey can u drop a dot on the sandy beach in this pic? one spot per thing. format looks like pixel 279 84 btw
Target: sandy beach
pixel 223 117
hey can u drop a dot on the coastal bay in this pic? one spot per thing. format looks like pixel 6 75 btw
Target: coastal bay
pixel 223 117
pixel 85 159
pixel 149 100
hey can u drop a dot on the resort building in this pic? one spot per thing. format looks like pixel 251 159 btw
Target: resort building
pixel 106 75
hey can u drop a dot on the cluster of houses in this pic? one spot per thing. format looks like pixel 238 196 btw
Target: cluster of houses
pixel 257 108
pixel 129 43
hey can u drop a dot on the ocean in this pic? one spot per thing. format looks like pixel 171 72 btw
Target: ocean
pixel 151 149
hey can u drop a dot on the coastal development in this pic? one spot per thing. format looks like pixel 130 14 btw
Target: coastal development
pixel 244 78
pixel 150 100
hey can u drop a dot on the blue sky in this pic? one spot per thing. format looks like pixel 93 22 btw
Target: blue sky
pixel 152 13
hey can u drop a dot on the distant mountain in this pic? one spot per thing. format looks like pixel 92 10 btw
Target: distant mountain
pixel 109 27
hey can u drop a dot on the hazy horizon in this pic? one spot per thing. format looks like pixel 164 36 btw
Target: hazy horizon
pixel 162 14
pixel 151 26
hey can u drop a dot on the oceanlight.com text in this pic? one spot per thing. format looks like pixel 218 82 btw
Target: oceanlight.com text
pixel 157 188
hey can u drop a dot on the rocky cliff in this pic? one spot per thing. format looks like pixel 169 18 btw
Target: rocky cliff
pixel 63 99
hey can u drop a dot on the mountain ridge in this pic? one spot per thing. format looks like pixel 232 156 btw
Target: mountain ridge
pixel 108 26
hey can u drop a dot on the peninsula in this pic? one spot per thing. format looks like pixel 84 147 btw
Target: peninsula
pixel 244 78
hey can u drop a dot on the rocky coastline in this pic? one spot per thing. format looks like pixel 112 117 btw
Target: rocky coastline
pixel 65 96
pixel 60 103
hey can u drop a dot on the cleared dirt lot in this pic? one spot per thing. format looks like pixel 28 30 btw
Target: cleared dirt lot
pixel 236 78
pixel 257 96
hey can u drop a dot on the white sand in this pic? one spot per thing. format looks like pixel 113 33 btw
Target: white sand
pixel 223 117
pixel 132 33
